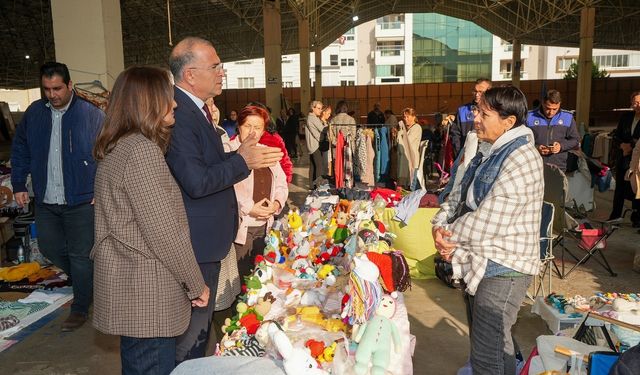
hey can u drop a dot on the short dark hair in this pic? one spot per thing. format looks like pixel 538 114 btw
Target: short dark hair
pixel 52 68
pixel 553 96
pixel 487 80
pixel 507 101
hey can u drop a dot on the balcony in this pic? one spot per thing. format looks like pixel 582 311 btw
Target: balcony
pixel 389 55
pixel 394 29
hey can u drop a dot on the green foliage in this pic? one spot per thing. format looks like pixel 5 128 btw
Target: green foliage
pixel 596 72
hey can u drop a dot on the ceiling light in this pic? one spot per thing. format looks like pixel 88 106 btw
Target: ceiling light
pixel 27 57
pixel 355 18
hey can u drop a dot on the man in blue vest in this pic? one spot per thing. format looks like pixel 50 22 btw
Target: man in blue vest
pixel 464 117
pixel 554 129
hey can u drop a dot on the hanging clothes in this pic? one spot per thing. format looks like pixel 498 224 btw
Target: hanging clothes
pixel 360 154
pixel 377 164
pixel 385 161
pixel 339 172
pixel 348 163
pixel 368 177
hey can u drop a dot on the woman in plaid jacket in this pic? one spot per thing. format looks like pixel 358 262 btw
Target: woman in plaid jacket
pixel 146 275
pixel 489 228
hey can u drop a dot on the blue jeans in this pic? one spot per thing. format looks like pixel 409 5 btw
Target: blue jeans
pixel 494 310
pixel 148 356
pixel 65 237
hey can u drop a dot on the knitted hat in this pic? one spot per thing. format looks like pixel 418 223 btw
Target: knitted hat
pixel 384 264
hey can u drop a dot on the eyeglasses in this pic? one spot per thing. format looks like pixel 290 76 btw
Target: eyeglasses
pixel 216 68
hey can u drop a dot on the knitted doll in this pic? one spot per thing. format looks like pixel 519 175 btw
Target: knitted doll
pixel 374 338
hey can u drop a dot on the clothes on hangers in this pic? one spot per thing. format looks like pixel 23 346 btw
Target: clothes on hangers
pixel 339 173
pixel 348 163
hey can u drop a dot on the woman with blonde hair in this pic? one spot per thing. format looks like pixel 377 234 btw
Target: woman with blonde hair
pixel 146 275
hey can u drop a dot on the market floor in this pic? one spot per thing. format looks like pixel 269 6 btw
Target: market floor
pixel 436 314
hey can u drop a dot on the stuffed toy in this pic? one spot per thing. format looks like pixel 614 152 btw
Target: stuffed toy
pixel 295 221
pixel 316 347
pixel 364 289
pixel 296 361
pixel 342 232
pixel 328 353
pixel 621 304
pixel 264 305
pixel 374 338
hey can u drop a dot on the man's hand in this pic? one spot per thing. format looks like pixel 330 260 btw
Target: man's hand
pixel 258 157
pixel 203 300
pixel 262 209
pixel 543 150
pixel 21 198
pixel 444 247
pixel 555 148
pixel 625 147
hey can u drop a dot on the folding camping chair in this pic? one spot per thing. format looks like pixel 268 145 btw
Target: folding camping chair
pixel 546 251
pixel 565 226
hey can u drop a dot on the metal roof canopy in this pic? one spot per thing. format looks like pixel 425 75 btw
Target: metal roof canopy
pixel 236 26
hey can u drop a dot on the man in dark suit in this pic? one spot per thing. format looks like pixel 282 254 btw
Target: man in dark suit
pixel 626 136
pixel 206 174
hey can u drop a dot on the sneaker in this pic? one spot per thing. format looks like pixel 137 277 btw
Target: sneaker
pixel 74 321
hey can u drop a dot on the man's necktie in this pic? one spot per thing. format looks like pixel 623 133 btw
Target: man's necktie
pixel 205 108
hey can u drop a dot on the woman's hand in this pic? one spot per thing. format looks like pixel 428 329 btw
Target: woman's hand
pixel 203 300
pixel 262 209
pixel 444 247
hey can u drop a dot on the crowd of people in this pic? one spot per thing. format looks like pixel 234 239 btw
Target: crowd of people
pixel 155 207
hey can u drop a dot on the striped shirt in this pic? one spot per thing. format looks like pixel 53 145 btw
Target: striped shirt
pixel 506 225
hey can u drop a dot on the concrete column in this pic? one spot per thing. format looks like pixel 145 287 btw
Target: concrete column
pixel 88 38
pixel 585 63
pixel 516 63
pixel 305 79
pixel 318 86
pixel 272 55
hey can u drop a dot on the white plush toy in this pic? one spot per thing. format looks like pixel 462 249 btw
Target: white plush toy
pixel 296 361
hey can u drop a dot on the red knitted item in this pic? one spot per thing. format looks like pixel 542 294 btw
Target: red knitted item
pixel 275 140
pixel 384 264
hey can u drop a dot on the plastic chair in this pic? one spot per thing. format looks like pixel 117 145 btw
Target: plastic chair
pixel 546 251
pixel 600 363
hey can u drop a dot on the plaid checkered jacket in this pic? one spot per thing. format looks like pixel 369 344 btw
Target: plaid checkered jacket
pixel 145 271
pixel 506 225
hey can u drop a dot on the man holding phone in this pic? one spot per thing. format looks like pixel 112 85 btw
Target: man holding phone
pixel 554 129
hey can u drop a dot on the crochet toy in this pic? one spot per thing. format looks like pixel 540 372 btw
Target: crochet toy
pixel 316 347
pixel 374 338
pixel 364 289
pixel 328 353
pixel 296 361
pixel 394 270
pixel 295 221
pixel 342 232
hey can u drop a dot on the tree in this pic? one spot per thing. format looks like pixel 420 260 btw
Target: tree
pixel 596 72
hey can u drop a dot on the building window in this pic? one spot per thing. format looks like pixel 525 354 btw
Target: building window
pixel 389 80
pixel 333 60
pixel 343 62
pixel 347 62
pixel 245 83
pixel 287 83
pixel 350 37
pixel 390 71
pixel 347 83
pixel 612 61
pixel 390 22
pixel 565 62
pixel 390 48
